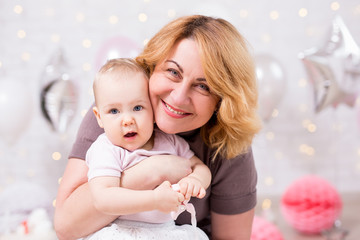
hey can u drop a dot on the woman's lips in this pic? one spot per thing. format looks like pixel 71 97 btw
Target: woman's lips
pixel 174 112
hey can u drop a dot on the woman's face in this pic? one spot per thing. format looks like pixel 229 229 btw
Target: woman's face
pixel 179 93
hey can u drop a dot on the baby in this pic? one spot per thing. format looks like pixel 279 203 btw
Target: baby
pixel 123 109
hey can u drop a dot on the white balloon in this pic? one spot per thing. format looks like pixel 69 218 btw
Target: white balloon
pixel 15 108
pixel 271 83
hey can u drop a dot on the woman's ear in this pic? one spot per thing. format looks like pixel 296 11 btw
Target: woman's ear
pixel 98 117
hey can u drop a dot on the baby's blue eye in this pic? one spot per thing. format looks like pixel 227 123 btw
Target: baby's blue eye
pixel 113 111
pixel 138 108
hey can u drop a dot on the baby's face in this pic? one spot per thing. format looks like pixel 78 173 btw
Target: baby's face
pixel 125 111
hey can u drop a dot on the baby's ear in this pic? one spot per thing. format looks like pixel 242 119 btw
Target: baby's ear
pixel 98 117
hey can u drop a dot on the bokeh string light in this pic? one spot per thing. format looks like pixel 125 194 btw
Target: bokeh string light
pixel 171 13
pixel 274 15
pixel 335 6
pixel 18 9
pixel 142 17
pixel 303 12
pixel 113 19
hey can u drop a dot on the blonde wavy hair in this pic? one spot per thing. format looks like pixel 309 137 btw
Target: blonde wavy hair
pixel 229 71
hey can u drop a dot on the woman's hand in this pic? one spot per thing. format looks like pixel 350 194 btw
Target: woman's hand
pixel 152 171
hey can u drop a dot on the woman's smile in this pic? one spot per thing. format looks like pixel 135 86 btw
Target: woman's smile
pixel 173 110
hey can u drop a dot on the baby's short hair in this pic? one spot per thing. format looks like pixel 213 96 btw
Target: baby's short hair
pixel 124 65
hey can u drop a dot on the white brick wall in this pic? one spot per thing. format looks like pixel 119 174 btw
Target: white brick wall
pixel 336 141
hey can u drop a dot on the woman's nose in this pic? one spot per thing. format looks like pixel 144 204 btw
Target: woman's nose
pixel 181 94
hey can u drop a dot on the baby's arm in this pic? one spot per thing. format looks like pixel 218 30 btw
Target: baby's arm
pixel 170 168
pixel 111 199
pixel 196 183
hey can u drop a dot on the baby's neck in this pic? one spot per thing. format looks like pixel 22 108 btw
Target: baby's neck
pixel 149 144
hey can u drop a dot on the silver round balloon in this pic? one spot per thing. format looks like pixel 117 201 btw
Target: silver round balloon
pixel 271 84
pixel 58 94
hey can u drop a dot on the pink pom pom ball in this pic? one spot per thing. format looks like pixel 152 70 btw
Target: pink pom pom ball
pixel 311 205
pixel 264 230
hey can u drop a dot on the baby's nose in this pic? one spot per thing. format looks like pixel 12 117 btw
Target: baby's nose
pixel 127 121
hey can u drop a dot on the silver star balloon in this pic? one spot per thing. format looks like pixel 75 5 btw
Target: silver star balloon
pixel 336 232
pixel 58 94
pixel 334 69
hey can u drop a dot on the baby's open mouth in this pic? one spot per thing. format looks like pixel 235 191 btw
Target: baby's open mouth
pixel 130 134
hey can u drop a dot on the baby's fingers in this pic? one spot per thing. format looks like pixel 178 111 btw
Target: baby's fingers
pixel 202 193
pixel 181 197
pixel 189 191
pixel 183 187
pixel 196 191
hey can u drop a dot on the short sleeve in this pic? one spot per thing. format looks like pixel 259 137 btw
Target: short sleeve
pixel 88 132
pixel 182 148
pixel 233 188
pixel 103 159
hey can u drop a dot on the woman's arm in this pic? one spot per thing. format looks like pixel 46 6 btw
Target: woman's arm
pixel 75 214
pixel 232 227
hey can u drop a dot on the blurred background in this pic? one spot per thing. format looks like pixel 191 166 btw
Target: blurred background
pixel 307 56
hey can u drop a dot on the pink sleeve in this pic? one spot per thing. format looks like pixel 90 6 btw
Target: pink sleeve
pixel 182 148
pixel 103 160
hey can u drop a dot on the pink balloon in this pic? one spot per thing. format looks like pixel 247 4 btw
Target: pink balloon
pixel 311 205
pixel 264 230
pixel 116 47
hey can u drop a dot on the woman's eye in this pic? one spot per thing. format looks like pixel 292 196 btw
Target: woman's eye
pixel 113 111
pixel 138 108
pixel 204 87
pixel 173 72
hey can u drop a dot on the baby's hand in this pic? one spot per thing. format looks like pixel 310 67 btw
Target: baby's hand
pixel 191 187
pixel 166 199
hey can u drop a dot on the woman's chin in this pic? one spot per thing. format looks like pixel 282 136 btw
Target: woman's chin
pixel 167 127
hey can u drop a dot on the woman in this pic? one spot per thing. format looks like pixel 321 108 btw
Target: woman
pixel 202 86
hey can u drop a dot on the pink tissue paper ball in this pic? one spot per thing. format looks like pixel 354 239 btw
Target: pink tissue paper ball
pixel 311 205
pixel 264 230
